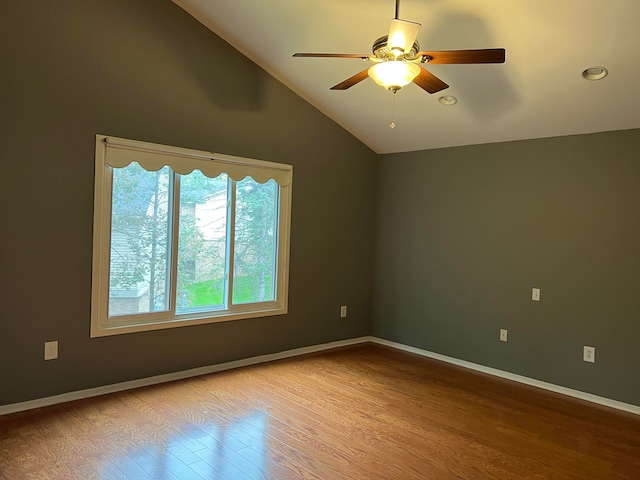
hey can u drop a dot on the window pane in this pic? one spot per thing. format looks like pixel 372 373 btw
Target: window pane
pixel 202 242
pixel 139 248
pixel 255 241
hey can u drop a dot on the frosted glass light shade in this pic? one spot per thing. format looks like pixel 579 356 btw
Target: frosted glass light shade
pixel 394 74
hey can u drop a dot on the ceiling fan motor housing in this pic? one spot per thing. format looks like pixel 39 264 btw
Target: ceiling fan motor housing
pixel 383 53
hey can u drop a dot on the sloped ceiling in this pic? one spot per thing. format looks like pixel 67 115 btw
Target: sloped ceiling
pixel 538 92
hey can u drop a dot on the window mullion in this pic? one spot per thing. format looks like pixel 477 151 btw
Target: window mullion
pixel 231 228
pixel 172 261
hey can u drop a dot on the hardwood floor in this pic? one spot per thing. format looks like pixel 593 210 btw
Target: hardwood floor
pixel 363 412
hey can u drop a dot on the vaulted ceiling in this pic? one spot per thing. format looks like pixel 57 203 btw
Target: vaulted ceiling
pixel 538 92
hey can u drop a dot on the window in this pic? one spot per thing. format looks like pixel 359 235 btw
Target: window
pixel 185 237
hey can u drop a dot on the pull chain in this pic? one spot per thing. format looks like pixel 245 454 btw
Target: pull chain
pixel 393 116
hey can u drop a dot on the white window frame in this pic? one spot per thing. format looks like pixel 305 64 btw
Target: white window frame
pixel 112 152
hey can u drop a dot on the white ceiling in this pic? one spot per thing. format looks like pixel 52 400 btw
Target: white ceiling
pixel 538 92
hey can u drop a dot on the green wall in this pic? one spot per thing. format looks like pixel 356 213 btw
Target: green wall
pixel 454 238
pixel 465 233
pixel 146 70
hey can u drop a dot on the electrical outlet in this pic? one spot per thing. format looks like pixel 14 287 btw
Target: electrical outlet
pixel 503 335
pixel 535 294
pixel 343 311
pixel 589 354
pixel 51 350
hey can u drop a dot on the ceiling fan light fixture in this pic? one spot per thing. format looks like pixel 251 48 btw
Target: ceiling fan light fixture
pixel 394 74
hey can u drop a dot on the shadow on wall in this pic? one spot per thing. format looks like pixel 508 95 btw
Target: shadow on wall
pixel 231 81
pixel 485 89
pixel 173 53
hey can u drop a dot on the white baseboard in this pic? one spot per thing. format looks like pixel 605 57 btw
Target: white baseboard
pixel 607 402
pixel 169 377
pixel 144 382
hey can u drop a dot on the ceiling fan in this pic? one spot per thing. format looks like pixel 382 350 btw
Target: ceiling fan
pixel 397 58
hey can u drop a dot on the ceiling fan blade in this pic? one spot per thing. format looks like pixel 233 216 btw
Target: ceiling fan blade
pixel 429 82
pixel 351 81
pixel 402 35
pixel 490 55
pixel 333 55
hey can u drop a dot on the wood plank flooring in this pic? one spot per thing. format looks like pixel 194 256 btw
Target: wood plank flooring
pixel 363 412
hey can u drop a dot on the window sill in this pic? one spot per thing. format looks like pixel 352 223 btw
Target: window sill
pixel 114 328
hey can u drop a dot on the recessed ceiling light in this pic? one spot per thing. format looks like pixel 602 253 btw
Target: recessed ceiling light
pixel 595 73
pixel 448 100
